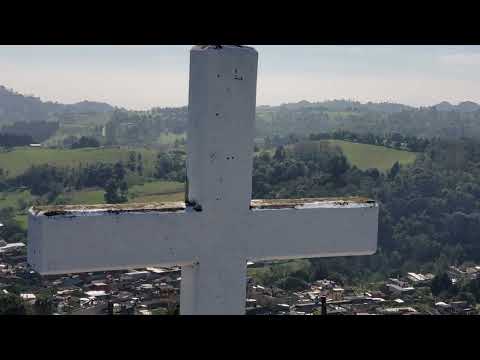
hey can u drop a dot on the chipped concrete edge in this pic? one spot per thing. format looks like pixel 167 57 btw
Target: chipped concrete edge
pixel 179 206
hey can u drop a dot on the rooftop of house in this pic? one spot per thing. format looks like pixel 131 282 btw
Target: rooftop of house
pixel 95 293
pixel 400 288
pixel 28 296
pixel 10 246
pixel 270 204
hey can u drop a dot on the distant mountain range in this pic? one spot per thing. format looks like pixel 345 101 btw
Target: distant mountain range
pixel 16 107
pixel 466 106
pixel 88 107
pixel 386 107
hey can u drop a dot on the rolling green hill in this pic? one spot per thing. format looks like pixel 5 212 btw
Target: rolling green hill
pixel 147 192
pixel 366 156
pixel 169 138
pixel 156 191
pixel 20 159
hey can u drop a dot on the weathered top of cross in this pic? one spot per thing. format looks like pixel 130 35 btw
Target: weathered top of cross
pixel 219 227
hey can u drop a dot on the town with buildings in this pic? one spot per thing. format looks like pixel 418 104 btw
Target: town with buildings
pixel 156 291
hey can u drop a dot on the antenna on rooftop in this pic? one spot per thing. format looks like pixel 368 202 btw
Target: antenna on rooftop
pixel 324 305
pixel 110 307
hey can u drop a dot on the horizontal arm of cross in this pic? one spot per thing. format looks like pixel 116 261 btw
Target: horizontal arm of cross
pixel 73 239
pixel 70 239
pixel 310 228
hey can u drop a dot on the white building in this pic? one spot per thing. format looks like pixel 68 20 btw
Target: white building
pixel 416 277
pixel 145 312
pixel 399 289
pixel 96 293
pixel 28 297
pixel 11 246
pixel 399 310
pixel 157 270
pixel 135 275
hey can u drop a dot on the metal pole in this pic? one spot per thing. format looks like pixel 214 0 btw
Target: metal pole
pixel 324 305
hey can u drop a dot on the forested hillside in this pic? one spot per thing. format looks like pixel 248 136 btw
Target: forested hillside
pixel 163 126
pixel 427 183
pixel 378 119
pixel 15 107
pixel 429 210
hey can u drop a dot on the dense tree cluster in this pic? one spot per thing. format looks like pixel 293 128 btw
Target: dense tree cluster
pixel 171 166
pixel 442 286
pixel 85 142
pixel 11 140
pixel 429 211
pixel 304 119
pixel 38 130
pixel 12 304
pixel 116 188
pixel 135 162
pixel 50 181
pixel 393 140
pixel 144 127
pixel 309 168
pixel 11 231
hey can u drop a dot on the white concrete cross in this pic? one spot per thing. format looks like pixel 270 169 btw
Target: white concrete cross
pixel 219 228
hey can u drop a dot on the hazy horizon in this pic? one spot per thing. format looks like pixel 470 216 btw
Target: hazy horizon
pixel 142 77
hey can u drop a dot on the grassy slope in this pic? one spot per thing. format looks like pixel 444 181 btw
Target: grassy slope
pixel 262 274
pixel 157 191
pixel 20 159
pixel 366 156
pixel 11 198
pixel 17 161
pixel 169 138
pixel 148 192
pixel 362 155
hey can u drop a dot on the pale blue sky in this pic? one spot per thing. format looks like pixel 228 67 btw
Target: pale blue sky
pixel 139 77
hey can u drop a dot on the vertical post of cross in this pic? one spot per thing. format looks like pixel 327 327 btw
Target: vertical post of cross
pixel 221 111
